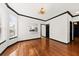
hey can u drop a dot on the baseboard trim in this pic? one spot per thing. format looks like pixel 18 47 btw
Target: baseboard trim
pixel 18 42
pixel 13 37
pixel 43 36
pixel 58 41
pixel 29 39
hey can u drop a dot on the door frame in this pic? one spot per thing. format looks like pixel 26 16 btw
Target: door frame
pixel 41 29
pixel 72 29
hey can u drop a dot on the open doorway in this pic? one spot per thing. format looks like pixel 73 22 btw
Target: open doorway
pixel 44 36
pixel 74 31
pixel 45 30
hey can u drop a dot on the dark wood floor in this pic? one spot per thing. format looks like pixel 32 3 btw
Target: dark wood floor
pixel 43 47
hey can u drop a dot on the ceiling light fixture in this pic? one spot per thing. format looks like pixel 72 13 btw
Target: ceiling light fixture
pixel 42 11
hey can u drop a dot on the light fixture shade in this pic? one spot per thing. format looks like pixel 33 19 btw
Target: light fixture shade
pixel 42 11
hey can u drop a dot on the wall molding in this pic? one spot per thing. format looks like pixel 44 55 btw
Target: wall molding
pixel 22 14
pixel 59 41
pixel 66 12
pixel 56 16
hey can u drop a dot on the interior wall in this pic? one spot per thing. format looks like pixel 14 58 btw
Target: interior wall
pixel 59 28
pixel 4 18
pixel 75 19
pixel 24 25
pixel 4 26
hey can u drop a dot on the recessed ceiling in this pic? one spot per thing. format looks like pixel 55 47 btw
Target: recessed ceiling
pixel 51 9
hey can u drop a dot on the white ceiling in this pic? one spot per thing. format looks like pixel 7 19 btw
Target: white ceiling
pixel 52 9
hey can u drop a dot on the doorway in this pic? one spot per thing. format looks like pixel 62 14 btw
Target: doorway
pixel 45 30
pixel 44 36
pixel 74 31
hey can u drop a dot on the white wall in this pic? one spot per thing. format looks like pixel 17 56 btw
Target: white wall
pixel 75 19
pixel 4 26
pixel 4 22
pixel 59 28
pixel 69 19
pixel 23 26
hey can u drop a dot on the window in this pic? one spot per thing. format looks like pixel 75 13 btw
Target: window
pixel 12 26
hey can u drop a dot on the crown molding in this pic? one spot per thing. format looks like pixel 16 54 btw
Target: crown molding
pixel 68 12
pixel 22 14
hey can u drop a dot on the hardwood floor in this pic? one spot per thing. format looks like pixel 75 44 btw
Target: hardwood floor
pixel 43 47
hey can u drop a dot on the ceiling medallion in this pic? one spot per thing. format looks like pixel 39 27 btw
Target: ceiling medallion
pixel 42 11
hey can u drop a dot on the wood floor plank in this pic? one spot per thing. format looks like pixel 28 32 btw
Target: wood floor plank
pixel 43 47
